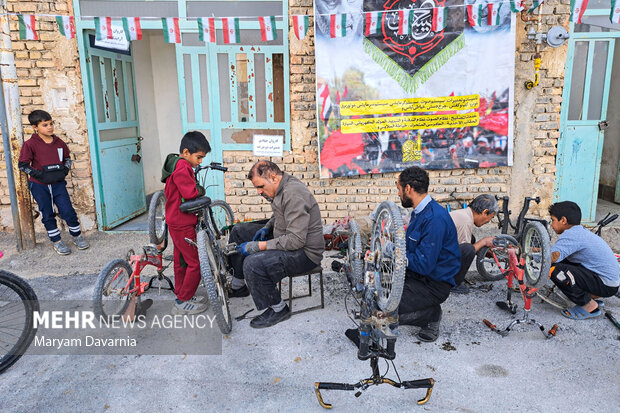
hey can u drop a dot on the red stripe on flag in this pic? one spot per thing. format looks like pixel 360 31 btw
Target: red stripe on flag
pixel 72 24
pixel 263 31
pixel 368 23
pixel 211 23
pixel 138 27
pixel 108 23
pixel 177 31
pixel 225 30
pixel 332 25
pixel 401 18
pixel 34 30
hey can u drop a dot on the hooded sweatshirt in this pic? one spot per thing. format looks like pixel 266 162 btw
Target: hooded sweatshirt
pixel 178 175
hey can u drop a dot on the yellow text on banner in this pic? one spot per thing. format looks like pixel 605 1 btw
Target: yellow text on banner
pixel 381 107
pixel 393 123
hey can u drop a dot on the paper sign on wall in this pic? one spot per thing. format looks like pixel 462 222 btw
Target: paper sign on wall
pixel 268 145
pixel 118 40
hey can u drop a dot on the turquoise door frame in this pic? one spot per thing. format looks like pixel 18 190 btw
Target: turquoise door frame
pixel 118 182
pixel 581 139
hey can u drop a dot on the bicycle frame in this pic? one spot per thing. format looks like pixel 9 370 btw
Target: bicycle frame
pixel 505 223
pixel 138 263
pixel 516 271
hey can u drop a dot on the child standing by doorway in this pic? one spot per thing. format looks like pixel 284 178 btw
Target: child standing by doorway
pixel 45 158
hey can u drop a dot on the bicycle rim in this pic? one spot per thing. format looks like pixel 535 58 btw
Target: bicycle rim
pixel 388 229
pixel 111 296
pixel 536 251
pixel 210 271
pixel 221 220
pixel 18 302
pixel 354 260
pixel 157 218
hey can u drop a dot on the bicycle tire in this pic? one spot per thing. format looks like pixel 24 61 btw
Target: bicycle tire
pixel 158 229
pixel 354 253
pixel 28 299
pixel 536 248
pixel 103 288
pixel 388 226
pixel 212 276
pixel 487 267
pixel 224 218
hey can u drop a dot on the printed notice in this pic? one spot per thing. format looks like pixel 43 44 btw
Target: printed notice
pixel 268 145
pixel 382 107
pixel 118 40
pixel 395 123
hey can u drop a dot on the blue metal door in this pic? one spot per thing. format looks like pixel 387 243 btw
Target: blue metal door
pixel 117 169
pixel 584 108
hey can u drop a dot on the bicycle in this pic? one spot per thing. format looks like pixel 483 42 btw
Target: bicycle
pixel 378 284
pixel 529 233
pixel 528 282
pixel 120 281
pixel 551 294
pixel 18 303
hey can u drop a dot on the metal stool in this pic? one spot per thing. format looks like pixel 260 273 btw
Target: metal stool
pixel 316 270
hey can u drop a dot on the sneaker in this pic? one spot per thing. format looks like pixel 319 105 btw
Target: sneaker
pixel 188 307
pixel 200 299
pixel 81 243
pixel 61 248
pixel 239 292
pixel 270 318
pixel 460 289
pixel 430 332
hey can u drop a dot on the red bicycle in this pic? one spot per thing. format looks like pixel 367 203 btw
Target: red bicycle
pixel 529 276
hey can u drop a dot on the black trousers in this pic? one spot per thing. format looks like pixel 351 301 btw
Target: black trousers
pixel 577 282
pixel 262 271
pixel 468 253
pixel 423 294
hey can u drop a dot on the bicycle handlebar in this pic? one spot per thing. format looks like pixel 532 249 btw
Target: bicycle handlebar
pixel 502 241
pixel 213 165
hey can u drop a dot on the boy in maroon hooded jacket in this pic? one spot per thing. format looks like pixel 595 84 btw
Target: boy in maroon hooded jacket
pixel 178 175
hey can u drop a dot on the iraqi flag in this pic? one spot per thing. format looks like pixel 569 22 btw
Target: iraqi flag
pixel 230 27
pixel 337 25
pixel 578 8
pixel 440 17
pixel 132 28
pixel 206 29
pixel 27 29
pixel 474 15
pixel 326 106
pixel 405 19
pixel 267 28
pixel 66 26
pixel 103 28
pixel 493 14
pixel 300 25
pixel 372 23
pixel 614 16
pixel 172 32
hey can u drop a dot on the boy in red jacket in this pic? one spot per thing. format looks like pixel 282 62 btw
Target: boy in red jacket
pixel 45 159
pixel 178 175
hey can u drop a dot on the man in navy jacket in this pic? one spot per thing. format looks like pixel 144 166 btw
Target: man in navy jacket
pixel 433 256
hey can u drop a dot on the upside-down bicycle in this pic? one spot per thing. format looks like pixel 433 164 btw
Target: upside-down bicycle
pixel 528 232
pixel 529 279
pixel 119 287
pixel 376 279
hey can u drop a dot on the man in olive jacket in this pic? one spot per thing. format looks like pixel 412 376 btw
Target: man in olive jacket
pixel 290 243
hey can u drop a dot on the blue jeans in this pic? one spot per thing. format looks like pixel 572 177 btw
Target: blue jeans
pixel 48 195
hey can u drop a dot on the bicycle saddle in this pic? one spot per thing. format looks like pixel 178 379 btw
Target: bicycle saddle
pixel 195 205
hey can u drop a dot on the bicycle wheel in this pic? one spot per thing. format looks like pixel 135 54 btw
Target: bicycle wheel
pixel 18 302
pixel 387 242
pixel 537 254
pixel 214 277
pixel 486 265
pixel 354 254
pixel 111 296
pixel 222 219
pixel 158 230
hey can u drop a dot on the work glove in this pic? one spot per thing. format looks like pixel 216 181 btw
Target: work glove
pixel 262 234
pixel 248 248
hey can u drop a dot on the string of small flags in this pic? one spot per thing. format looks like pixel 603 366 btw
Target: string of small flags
pixel 338 22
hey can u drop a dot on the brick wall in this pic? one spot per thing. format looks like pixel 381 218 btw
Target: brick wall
pixel 537 114
pixel 48 76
